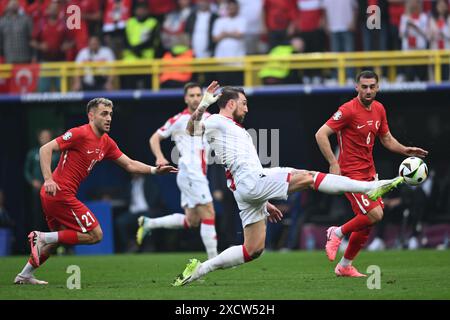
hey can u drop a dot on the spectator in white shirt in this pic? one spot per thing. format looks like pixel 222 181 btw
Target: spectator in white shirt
pixel 439 31
pixel 95 52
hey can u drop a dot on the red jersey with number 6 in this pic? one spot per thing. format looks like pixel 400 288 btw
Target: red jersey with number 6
pixel 81 149
pixel 356 128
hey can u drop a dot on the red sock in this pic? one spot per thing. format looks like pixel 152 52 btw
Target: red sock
pixel 42 258
pixel 357 241
pixel 358 223
pixel 67 237
pixel 247 257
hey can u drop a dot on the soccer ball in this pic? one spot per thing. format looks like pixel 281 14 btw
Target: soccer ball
pixel 414 170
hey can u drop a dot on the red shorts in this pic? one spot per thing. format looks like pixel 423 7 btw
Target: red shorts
pixel 361 204
pixel 67 211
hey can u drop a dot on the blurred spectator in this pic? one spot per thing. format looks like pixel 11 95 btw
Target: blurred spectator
pixel 278 16
pixel 199 27
pixel 228 34
pixel 15 34
pixel 142 36
pixel 308 24
pixel 160 8
pixel 144 197
pixel 413 28
pixel 173 76
pixel 374 39
pixel 252 12
pixel 115 16
pixel 50 40
pixel 220 7
pixel 396 8
pixel 95 52
pixel 341 18
pixel 173 28
pixel 277 71
pixel 5 218
pixel 33 175
pixel 439 31
pixel 35 9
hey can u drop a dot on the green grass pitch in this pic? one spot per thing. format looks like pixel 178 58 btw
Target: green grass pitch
pixel 423 274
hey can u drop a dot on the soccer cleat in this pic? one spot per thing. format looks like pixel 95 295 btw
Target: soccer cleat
pixel 187 274
pixel 36 244
pixel 142 232
pixel 333 242
pixel 28 280
pixel 384 188
pixel 348 271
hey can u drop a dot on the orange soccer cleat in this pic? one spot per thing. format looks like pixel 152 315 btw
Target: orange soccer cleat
pixel 348 271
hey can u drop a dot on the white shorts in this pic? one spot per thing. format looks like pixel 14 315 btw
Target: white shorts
pixel 252 194
pixel 193 191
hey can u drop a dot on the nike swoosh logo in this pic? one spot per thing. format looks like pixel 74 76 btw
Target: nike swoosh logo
pixel 359 127
pixel 89 152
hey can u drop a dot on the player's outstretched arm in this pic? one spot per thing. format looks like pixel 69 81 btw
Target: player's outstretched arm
pixel 323 141
pixel 155 146
pixel 45 159
pixel 194 126
pixel 134 166
pixel 390 143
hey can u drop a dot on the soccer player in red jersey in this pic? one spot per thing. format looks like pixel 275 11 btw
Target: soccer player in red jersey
pixel 357 123
pixel 70 221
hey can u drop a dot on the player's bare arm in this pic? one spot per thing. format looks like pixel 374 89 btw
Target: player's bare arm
pixel 45 159
pixel 390 143
pixel 155 146
pixel 194 126
pixel 323 140
pixel 134 166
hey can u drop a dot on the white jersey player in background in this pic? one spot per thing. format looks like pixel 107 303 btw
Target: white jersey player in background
pixel 253 185
pixel 191 179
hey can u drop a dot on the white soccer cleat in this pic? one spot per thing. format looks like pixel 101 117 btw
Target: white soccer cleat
pixel 28 280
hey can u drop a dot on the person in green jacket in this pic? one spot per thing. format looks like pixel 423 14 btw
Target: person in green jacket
pixel 34 178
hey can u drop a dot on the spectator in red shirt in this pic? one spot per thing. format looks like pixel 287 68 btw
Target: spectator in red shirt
pixel 49 39
pixel 396 8
pixel 278 16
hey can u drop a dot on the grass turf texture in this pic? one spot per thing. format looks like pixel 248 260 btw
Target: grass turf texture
pixel 423 274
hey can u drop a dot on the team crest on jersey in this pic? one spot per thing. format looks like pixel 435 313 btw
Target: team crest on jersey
pixel 337 115
pixel 67 136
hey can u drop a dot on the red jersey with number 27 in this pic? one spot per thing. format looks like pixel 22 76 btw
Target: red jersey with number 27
pixel 81 149
pixel 356 129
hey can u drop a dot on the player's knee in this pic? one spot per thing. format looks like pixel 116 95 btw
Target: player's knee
pixel 376 216
pixel 192 223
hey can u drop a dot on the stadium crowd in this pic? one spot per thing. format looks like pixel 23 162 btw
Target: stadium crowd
pixel 130 30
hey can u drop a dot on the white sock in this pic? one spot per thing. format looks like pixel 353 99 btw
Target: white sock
pixel 173 221
pixel 50 237
pixel 228 258
pixel 28 270
pixel 338 232
pixel 334 184
pixel 209 238
pixel 345 262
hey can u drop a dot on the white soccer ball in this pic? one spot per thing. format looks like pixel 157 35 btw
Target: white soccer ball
pixel 414 170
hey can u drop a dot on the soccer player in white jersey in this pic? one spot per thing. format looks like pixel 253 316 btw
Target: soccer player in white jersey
pixel 252 185
pixel 191 179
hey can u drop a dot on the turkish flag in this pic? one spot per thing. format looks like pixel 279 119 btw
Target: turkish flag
pixel 24 78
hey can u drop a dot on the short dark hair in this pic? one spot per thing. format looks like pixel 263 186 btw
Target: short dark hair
pixel 191 85
pixel 94 103
pixel 229 93
pixel 366 74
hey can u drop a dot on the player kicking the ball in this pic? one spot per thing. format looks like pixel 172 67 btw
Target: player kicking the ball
pixel 357 123
pixel 70 221
pixel 251 184
pixel 196 198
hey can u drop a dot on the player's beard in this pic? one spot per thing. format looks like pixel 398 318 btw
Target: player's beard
pixel 238 117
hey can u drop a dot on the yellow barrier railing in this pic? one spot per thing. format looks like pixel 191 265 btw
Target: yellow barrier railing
pixel 249 65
